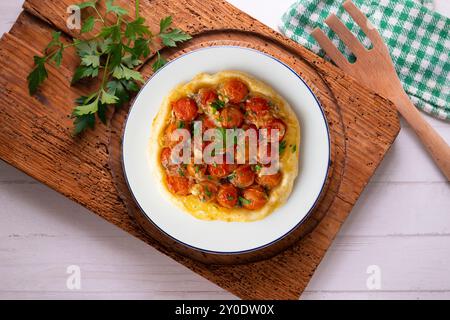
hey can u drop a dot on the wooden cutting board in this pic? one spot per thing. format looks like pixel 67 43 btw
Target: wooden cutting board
pixel 35 133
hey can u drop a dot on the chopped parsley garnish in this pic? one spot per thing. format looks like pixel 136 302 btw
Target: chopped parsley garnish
pixel 217 105
pixel 207 192
pixel 257 168
pixel 181 125
pixel 244 201
pixel 180 171
pixel 231 176
pixel 230 198
pixel 294 148
pixel 282 147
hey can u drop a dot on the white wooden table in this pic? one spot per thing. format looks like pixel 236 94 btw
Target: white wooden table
pixel 401 224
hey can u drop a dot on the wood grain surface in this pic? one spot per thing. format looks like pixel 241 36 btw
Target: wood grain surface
pixel 41 144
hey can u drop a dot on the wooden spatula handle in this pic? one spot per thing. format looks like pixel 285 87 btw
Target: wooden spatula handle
pixel 435 144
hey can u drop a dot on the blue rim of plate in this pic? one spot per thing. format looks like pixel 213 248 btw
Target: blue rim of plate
pixel 222 253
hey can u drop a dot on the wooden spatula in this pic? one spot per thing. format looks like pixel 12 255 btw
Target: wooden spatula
pixel 374 69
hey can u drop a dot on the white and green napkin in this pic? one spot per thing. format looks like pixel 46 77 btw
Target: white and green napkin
pixel 417 37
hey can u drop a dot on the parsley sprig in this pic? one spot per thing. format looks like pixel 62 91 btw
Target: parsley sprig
pixel 113 55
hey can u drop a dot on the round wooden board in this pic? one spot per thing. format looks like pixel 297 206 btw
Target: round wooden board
pixel 337 135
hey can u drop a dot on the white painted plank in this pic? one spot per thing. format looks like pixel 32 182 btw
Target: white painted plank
pixel 376 295
pixel 408 161
pixel 9 11
pixel 406 264
pixel 34 209
pixel 107 265
pixel 9 175
pixel 108 295
pixel 401 209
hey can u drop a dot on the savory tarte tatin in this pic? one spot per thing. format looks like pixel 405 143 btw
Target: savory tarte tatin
pixel 227 191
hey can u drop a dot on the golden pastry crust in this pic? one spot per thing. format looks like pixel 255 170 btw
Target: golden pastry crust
pixel 289 160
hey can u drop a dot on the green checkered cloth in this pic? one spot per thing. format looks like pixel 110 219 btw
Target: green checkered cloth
pixel 417 37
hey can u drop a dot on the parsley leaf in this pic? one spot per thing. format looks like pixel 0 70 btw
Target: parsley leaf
pixel 82 123
pixel 112 32
pixel 89 108
pixel 91 61
pixel 116 88
pixel 38 75
pixel 122 72
pixel 164 24
pixel 55 42
pixel 101 112
pixel 88 25
pixel 58 56
pixel 159 63
pixel 110 7
pixel 136 28
pixel 88 4
pixel 141 48
pixel 84 72
pixel 108 98
pixel 171 38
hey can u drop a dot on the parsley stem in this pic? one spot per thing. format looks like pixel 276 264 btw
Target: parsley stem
pixel 137 8
pixel 105 74
pixel 99 15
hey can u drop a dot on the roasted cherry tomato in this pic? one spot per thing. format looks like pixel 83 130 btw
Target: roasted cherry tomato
pixel 257 106
pixel 185 109
pixel 244 143
pixel 231 117
pixel 227 196
pixel 254 198
pixel 197 171
pixel 220 170
pixel 243 176
pixel 266 157
pixel 235 90
pixel 206 191
pixel 269 181
pixel 275 124
pixel 207 123
pixel 168 134
pixel 166 157
pixel 178 185
pixel 206 96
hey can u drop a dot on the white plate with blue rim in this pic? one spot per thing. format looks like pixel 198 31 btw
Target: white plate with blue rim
pixel 220 237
